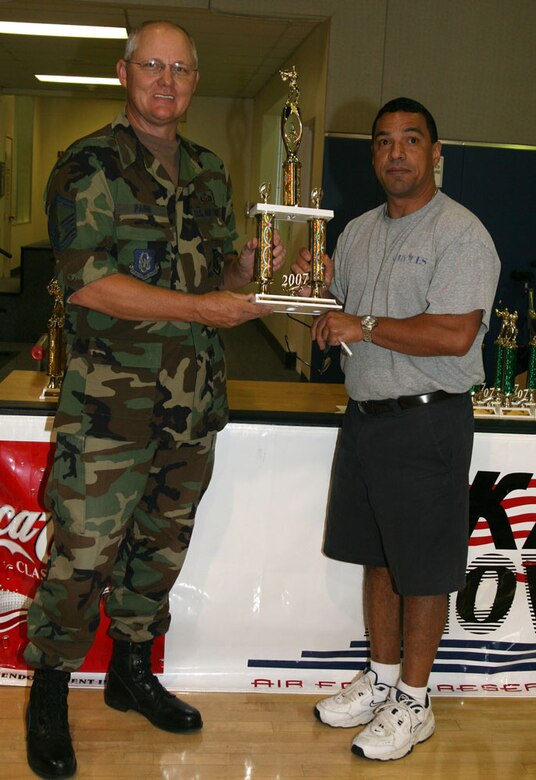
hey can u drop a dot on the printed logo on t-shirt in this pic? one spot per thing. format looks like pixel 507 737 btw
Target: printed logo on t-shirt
pixel 414 259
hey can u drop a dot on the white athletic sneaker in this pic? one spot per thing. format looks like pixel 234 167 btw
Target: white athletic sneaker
pixel 355 704
pixel 398 725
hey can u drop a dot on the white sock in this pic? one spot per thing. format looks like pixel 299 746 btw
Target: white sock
pixel 388 674
pixel 416 693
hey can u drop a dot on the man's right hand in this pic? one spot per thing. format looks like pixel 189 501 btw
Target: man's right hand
pixel 224 309
pixel 127 298
pixel 303 266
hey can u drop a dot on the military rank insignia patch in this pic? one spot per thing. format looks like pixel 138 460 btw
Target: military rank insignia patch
pixel 62 223
pixel 144 265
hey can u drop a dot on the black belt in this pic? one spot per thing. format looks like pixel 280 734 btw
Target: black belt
pixel 404 402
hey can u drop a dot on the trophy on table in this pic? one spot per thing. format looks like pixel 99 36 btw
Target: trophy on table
pixel 531 371
pixel 267 213
pixel 505 398
pixel 508 336
pixel 56 343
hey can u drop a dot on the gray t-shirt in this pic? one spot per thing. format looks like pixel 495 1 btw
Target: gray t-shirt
pixel 438 260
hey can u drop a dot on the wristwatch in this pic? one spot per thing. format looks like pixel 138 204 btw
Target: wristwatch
pixel 368 323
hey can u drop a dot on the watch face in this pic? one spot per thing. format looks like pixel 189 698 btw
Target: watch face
pixel 368 323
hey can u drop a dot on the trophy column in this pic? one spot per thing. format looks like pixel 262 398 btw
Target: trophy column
pixel 317 246
pixel 264 271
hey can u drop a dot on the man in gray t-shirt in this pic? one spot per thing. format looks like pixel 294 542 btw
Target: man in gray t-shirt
pixel 417 278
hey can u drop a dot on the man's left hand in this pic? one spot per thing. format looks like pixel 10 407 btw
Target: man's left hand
pixel 246 260
pixel 335 327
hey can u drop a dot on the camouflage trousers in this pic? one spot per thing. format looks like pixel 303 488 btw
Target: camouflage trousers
pixel 122 518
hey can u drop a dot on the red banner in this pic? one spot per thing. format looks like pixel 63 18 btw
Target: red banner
pixel 25 539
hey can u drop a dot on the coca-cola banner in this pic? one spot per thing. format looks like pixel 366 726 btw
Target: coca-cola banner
pixel 257 605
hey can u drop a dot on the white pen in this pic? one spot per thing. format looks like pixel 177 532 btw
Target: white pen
pixel 346 349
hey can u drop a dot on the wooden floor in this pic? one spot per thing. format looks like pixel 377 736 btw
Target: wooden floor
pixel 275 737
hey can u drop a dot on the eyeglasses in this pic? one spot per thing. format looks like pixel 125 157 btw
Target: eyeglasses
pixel 155 67
pixel 326 357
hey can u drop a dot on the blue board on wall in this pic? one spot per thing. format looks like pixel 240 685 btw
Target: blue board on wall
pixel 496 183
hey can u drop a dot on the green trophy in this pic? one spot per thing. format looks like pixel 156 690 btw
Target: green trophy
pixel 509 343
pixel 498 384
pixel 531 372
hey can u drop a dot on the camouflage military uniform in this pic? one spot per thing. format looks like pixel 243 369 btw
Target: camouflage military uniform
pixel 141 402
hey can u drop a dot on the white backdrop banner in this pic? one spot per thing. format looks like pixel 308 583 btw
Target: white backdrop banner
pixel 258 607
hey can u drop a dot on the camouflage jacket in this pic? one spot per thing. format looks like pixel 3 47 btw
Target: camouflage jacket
pixel 113 209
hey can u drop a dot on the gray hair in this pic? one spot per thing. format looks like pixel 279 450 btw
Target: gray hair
pixel 133 38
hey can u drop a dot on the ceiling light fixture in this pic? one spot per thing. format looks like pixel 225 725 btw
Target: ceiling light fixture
pixel 63 30
pixel 79 80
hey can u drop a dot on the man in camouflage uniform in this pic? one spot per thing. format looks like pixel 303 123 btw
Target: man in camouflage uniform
pixel 142 227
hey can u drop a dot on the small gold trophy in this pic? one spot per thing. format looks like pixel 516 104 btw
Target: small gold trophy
pixel 267 214
pixel 56 345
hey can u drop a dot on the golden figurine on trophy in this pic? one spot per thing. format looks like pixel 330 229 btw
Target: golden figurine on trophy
pixel 266 215
pixel 291 133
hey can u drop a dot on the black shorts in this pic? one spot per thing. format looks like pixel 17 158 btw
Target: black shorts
pixel 400 494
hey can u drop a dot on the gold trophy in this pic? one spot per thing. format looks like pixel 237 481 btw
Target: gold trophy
pixel 266 214
pixel 56 345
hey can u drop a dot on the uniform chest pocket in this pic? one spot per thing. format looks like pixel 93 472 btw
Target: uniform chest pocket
pixel 213 234
pixel 143 234
pixel 142 222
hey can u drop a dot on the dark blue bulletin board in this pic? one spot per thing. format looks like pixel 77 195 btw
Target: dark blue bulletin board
pixel 497 183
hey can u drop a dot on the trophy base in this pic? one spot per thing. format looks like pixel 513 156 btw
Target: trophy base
pixel 50 394
pixel 511 412
pixel 291 304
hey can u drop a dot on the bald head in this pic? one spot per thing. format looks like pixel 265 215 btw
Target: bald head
pixel 135 34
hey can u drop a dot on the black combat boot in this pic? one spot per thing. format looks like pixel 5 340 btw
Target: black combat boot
pixel 49 747
pixel 131 685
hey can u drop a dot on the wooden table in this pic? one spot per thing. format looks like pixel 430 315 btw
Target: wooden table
pixel 244 396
